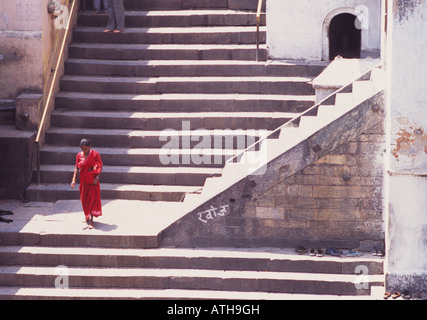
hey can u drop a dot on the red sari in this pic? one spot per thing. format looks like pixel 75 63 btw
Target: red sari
pixel 90 192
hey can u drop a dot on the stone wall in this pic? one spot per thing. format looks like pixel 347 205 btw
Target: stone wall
pixel 325 191
pixel 336 200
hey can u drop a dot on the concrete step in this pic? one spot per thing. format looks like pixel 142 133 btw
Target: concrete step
pixel 50 192
pixel 122 138
pixel 194 279
pixel 171 176
pixel 166 51
pixel 100 239
pixel 270 260
pixel 7 111
pixel 172 35
pixel 176 18
pixel 66 155
pixel 222 85
pixel 190 68
pixel 190 4
pixel 231 103
pixel 42 293
pixel 169 121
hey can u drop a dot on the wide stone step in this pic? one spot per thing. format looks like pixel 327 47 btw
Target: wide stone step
pixel 279 282
pixel 166 51
pixel 231 103
pixel 190 4
pixel 54 191
pixel 190 68
pixel 35 293
pixel 122 138
pixel 176 18
pixel 7 111
pixel 181 176
pixel 64 155
pixel 169 121
pixel 172 35
pixel 275 260
pixel 221 85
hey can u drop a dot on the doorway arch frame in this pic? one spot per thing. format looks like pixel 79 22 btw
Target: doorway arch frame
pixel 325 30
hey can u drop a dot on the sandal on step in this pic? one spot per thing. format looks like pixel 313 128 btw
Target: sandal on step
pixel 396 295
pixel 353 253
pixel 387 295
pixel 374 251
pixel 406 295
pixel 301 250
pixel 332 251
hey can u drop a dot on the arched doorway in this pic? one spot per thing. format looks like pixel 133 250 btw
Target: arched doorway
pixel 345 39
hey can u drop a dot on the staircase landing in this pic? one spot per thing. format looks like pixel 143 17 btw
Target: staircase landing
pixel 124 223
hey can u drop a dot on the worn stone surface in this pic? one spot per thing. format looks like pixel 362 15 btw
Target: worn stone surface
pixel 15 153
pixel 330 196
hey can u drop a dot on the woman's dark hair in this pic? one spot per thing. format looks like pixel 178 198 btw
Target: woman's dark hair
pixel 85 142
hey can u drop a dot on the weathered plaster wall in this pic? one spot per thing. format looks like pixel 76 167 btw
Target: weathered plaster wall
pixel 297 30
pixel 407 132
pixel 21 43
pixel 29 41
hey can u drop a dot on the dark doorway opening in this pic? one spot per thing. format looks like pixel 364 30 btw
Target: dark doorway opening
pixel 344 38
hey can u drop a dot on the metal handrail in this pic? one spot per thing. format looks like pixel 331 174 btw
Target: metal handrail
pixel 258 21
pixel 305 113
pixel 52 84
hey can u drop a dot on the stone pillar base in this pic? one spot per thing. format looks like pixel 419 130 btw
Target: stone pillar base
pixel 28 109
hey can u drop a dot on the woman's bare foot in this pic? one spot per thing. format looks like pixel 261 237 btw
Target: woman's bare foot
pixel 90 222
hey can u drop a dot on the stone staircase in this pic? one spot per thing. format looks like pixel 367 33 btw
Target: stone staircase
pixel 183 66
pixel 37 272
pixel 75 266
pixel 171 70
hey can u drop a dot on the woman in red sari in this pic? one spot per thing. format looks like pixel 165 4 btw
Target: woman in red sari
pixel 89 163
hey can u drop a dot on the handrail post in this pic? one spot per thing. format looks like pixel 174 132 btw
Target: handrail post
pixel 257 41
pixel 258 21
pixel 38 162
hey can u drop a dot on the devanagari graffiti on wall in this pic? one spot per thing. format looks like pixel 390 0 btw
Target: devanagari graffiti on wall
pixel 213 213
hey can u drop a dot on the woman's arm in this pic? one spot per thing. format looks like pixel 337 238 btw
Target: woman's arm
pixel 73 182
pixel 98 170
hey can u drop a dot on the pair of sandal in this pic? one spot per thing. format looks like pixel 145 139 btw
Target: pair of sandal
pixel 377 252
pixel 114 31
pixel 316 252
pixel 332 251
pixel 396 294
pixel 312 252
